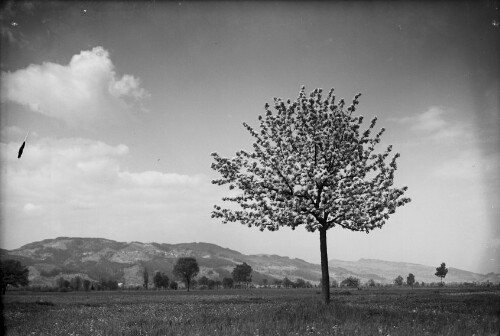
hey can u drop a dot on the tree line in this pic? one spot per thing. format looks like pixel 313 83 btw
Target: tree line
pixel 351 281
pixel 14 274
pixel 186 270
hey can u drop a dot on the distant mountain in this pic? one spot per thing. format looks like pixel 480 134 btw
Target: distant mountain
pixel 97 258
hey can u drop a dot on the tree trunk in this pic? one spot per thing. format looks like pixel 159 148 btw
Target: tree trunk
pixel 325 276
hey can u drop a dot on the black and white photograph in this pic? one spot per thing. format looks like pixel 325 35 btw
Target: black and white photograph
pixel 250 168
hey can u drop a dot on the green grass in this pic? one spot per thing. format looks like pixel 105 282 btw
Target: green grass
pixel 255 312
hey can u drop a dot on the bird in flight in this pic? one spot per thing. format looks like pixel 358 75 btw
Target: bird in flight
pixel 21 149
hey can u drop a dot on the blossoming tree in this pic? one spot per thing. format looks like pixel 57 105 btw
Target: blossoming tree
pixel 311 165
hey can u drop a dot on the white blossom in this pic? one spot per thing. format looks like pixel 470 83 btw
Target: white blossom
pixel 312 166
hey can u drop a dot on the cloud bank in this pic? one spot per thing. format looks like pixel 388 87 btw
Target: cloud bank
pixel 84 92
pixel 75 186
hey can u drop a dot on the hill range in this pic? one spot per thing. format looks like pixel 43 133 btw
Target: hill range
pixel 97 258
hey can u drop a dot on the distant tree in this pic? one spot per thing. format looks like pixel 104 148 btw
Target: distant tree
pixel 63 284
pixel 173 285
pixel 145 278
pixel 186 269
pixel 211 284
pixel 242 273
pixel 161 280
pixel 157 280
pixel 227 282
pixel 76 283
pixel 278 282
pixel 165 281
pixel 12 273
pixel 398 281
pixel 371 283
pixel 111 284
pixel 287 283
pixel 264 282
pixel 218 283
pixel 441 272
pixel 309 284
pixel 350 282
pixel 311 165
pixel 108 284
pixel 60 282
pixel 86 284
pixel 203 281
pixel 410 279
pixel 334 283
pixel 300 283
pixel 102 284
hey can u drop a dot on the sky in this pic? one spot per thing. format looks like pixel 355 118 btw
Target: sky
pixel 125 101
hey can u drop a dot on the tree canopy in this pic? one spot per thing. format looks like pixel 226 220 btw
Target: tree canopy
pixel 242 273
pixel 145 278
pixel 203 281
pixel 398 281
pixel 12 273
pixel 311 165
pixel 161 280
pixel 410 279
pixel 287 282
pixel 227 282
pixel 441 271
pixel 350 282
pixel 186 269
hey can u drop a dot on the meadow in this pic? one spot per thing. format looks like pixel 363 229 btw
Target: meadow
pixel 380 311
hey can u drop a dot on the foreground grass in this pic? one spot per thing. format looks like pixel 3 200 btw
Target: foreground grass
pixel 254 312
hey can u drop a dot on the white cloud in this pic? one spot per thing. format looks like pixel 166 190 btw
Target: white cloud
pixel 84 92
pixel 154 179
pixel 78 187
pixel 30 207
pixel 430 120
pixel 76 162
pixel 435 125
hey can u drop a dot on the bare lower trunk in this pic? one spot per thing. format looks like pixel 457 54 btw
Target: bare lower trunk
pixel 325 276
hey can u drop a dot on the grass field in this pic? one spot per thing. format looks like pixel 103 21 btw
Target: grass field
pixel 420 311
